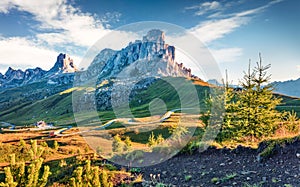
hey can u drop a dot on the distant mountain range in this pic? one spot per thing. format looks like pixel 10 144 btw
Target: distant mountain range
pixel 37 94
pixel 108 63
pixel 56 75
pixel 290 87
pixel 146 60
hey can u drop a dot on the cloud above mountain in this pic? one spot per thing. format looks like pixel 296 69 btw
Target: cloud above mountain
pixel 219 24
pixel 59 22
pixel 63 26
pixel 206 7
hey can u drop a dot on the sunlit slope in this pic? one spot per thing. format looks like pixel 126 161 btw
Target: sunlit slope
pixel 58 107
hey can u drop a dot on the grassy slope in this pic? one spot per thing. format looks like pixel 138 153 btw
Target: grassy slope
pixel 26 104
pixel 166 92
pixel 58 108
pixel 289 104
pixel 29 93
pixel 54 108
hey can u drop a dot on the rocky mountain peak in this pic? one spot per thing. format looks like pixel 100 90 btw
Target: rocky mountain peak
pixel 140 63
pixel 63 64
pixel 14 74
pixel 155 35
pixel 149 55
pixel 152 46
pixel 9 71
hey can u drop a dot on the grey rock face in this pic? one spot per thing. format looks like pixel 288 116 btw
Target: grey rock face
pixel 62 73
pixel 155 35
pixel 96 66
pixel 152 52
pixel 132 68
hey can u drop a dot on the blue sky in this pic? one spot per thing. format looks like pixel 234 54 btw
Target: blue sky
pixel 33 32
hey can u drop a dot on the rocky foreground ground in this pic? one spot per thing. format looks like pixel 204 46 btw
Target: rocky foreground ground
pixel 225 167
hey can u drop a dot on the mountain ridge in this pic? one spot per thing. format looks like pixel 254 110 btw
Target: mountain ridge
pixel 138 64
pixel 17 77
pixel 50 98
pixel 150 56
pixel 289 87
pixel 152 48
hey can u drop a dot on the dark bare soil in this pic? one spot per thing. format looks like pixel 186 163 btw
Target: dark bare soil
pixel 224 167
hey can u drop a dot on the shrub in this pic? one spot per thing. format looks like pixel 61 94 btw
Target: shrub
pixel 163 149
pixel 44 144
pixel 55 145
pixel 159 139
pixel 128 144
pixel 117 145
pixel 90 176
pixel 291 122
pixel 151 140
pixel 17 175
pixel 22 143
pixel 35 150
pixel 99 150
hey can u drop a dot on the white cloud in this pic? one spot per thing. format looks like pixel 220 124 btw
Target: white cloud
pixel 66 26
pixel 52 38
pixel 4 6
pixel 227 54
pixel 214 29
pixel 60 26
pixel 221 25
pixel 205 7
pixel 62 22
pixel 20 53
pixel 258 9
pixel 298 67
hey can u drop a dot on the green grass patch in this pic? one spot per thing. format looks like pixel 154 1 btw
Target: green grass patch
pixel 143 137
pixel 115 125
